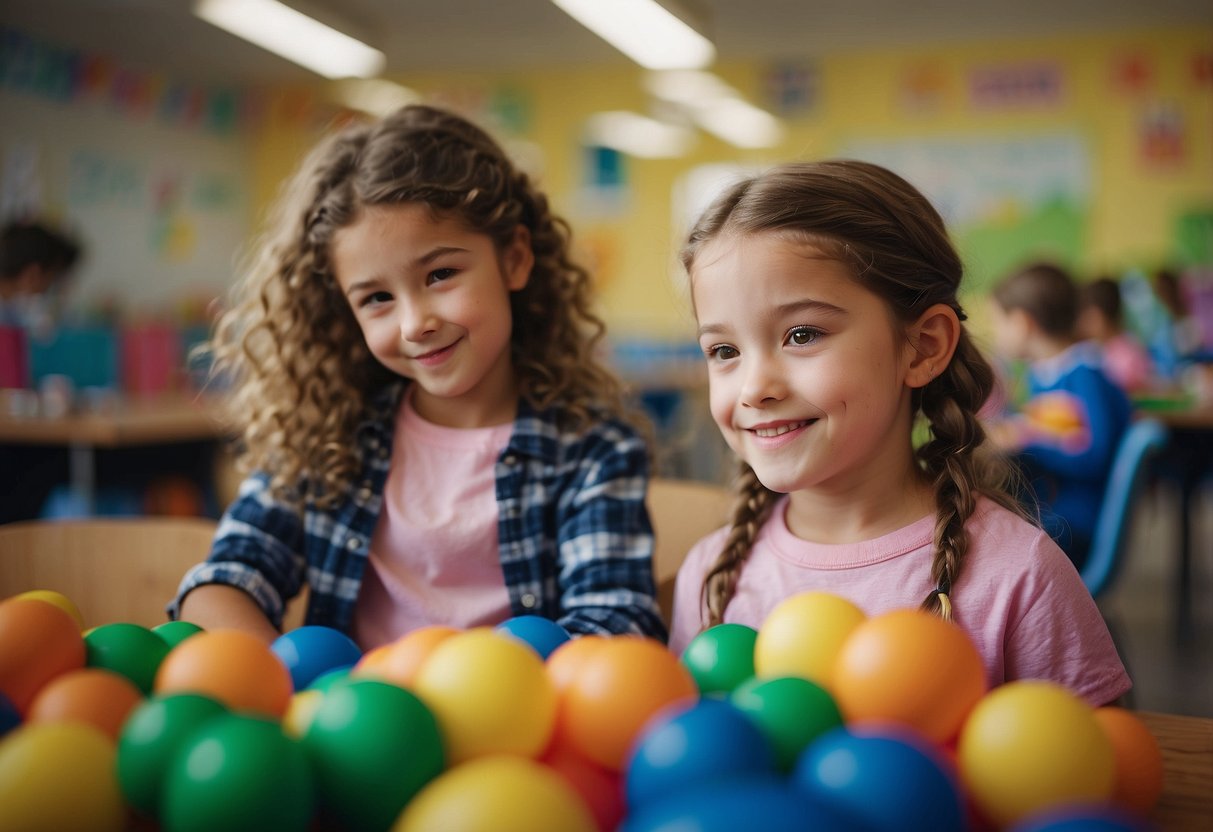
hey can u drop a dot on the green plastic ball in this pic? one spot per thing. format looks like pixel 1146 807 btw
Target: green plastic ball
pixel 790 710
pixel 721 657
pixel 326 680
pixel 175 632
pixel 238 773
pixel 151 737
pixel 373 746
pixel 127 649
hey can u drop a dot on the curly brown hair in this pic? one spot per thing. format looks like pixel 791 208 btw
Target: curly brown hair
pixel 289 345
pixel 897 247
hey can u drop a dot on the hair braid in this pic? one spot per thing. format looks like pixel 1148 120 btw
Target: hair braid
pixel 753 504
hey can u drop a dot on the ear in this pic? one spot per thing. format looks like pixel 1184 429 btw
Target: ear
pixel 518 259
pixel 933 338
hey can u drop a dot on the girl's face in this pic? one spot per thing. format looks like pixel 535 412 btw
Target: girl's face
pixel 433 300
pixel 806 368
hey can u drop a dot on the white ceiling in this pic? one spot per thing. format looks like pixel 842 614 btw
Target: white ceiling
pixel 449 35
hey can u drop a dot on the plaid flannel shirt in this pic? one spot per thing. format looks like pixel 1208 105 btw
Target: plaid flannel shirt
pixel 574 534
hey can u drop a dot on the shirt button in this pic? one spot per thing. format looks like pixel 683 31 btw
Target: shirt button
pixel 353 543
pixel 510 459
pixel 528 600
pixel 365 492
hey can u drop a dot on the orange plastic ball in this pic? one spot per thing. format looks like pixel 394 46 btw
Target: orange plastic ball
pixel 567 660
pixel 95 696
pixel 60 600
pixel 398 661
pixel 233 667
pixel 38 641
pixel 909 667
pixel 1139 770
pixel 616 691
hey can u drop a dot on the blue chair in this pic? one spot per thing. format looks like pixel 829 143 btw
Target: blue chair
pixel 1141 442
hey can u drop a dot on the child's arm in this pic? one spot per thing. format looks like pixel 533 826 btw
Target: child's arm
pixel 215 606
pixel 1086 452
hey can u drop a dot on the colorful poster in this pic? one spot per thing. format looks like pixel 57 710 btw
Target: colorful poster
pixel 1032 84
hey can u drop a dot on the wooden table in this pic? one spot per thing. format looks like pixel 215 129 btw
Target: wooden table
pixel 1187 757
pixel 122 423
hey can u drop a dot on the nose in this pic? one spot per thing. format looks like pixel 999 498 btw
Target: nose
pixel 763 381
pixel 416 320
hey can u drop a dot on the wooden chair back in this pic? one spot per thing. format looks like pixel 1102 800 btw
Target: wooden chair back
pixel 682 511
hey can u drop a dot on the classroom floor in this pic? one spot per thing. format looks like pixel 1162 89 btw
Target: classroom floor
pixel 1171 675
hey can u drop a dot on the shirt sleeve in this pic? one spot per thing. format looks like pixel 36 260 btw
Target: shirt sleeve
pixel 257 548
pixel 1061 636
pixel 690 613
pixel 606 543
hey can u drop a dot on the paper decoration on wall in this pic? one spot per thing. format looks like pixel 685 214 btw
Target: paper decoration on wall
pixel 1161 139
pixel 1202 69
pixel 34 67
pixel 604 188
pixel 1030 84
pixel 793 89
pixel 1132 74
pixel 922 88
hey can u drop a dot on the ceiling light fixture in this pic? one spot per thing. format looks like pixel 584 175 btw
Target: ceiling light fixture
pixel 638 135
pixel 374 96
pixel 645 31
pixel 716 107
pixel 294 36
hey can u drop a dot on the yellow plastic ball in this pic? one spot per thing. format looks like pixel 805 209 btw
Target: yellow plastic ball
pixel 300 710
pixel 60 600
pixel 1030 746
pixel 497 794
pixel 802 635
pixel 490 693
pixel 59 776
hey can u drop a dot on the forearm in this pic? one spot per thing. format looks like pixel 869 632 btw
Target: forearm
pixel 220 606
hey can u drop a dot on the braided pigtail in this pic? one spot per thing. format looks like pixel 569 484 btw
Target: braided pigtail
pixel 750 511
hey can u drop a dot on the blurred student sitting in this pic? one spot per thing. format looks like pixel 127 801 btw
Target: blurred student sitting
pixel 1067 433
pixel 35 263
pixel 1101 319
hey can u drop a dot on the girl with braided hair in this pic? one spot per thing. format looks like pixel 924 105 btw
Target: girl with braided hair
pixel 826 298
pixel 428 435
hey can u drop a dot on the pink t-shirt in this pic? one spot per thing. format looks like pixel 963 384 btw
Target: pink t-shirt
pixel 434 556
pixel 1018 597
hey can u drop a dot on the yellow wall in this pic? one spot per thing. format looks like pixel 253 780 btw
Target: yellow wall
pixel 1131 218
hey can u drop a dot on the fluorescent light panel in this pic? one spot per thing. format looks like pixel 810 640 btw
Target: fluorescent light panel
pixel 294 36
pixel 644 31
pixel 716 107
pixel 638 135
pixel 373 95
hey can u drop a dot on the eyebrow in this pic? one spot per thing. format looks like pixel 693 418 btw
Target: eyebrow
pixel 783 310
pixel 424 260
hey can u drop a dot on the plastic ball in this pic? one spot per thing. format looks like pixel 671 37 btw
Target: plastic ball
pixel 310 651
pixel 790 711
pixel 618 688
pixel 150 739
pixel 802 635
pixel 301 711
pixel 398 661
pixel 373 746
pixel 882 782
pixel 9 718
pixel 600 790
pixel 1139 766
pixel 1031 746
pixel 542 634
pixel 566 661
pixel 331 678
pixel 721 657
pixel 490 694
pixel 238 772
pixel 38 641
pixel 60 600
pixel 232 666
pixel 498 793
pixel 767 803
pixel 1085 819
pixel 708 740
pixel 175 632
pixel 909 667
pixel 128 649
pixel 59 776
pixel 98 697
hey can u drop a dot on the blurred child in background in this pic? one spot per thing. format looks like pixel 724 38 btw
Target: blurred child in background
pixel 1068 431
pixel 1101 320
pixel 36 261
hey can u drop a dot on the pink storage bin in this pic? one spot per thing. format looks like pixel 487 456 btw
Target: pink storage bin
pixel 14 357
pixel 151 359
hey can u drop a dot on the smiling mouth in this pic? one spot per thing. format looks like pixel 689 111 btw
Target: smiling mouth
pixel 781 429
pixel 438 353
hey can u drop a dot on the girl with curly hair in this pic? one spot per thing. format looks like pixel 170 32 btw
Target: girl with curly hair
pixel 428 434
pixel 826 297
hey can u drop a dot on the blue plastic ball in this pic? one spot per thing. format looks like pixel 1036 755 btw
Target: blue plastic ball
pixel 542 634
pixel 892 781
pixel 767 803
pixel 313 650
pixel 1083 819
pixel 9 717
pixel 687 745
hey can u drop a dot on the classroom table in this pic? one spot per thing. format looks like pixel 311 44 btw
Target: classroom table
pixel 1187 756
pixel 120 423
